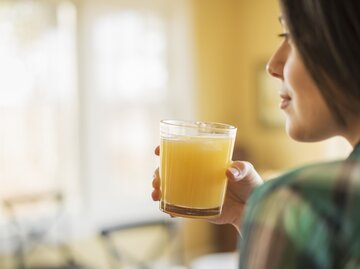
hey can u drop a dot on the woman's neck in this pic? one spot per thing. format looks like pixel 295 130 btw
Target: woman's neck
pixel 352 133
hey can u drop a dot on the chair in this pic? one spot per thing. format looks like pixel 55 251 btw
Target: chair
pixel 142 245
pixel 32 218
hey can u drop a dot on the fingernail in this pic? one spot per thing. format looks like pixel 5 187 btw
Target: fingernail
pixel 234 171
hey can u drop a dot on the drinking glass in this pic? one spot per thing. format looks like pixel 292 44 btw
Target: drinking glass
pixel 194 156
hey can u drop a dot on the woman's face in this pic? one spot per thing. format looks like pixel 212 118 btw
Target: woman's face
pixel 307 115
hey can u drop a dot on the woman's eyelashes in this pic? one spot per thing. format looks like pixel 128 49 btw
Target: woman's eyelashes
pixel 284 35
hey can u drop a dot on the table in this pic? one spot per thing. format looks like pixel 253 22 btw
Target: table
pixel 224 260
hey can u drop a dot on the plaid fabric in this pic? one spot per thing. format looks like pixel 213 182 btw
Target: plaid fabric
pixel 307 218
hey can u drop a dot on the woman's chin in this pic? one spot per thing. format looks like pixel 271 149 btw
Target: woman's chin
pixel 295 132
pixel 301 134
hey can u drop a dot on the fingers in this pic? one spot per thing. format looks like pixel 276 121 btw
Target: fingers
pixel 156 179
pixel 155 195
pixel 157 150
pixel 156 185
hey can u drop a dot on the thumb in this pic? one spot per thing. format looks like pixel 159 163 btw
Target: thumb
pixel 240 170
pixel 244 178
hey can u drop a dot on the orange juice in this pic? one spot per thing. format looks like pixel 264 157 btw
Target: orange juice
pixel 192 174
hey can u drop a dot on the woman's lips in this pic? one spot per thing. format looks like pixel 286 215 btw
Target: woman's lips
pixel 285 100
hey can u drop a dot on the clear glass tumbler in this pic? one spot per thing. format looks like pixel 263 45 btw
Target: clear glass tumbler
pixel 193 159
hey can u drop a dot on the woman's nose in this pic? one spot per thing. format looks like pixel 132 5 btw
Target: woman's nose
pixel 275 66
pixel 274 71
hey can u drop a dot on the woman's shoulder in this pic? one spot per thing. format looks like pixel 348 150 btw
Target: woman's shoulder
pixel 315 207
pixel 315 179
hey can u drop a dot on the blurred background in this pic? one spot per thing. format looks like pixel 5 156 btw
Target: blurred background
pixel 83 86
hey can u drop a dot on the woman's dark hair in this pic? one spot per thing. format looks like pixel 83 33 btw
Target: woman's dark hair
pixel 327 36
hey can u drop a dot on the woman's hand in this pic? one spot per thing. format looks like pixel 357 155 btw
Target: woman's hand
pixel 242 180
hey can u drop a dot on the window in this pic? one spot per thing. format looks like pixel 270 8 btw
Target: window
pixel 38 97
pixel 131 77
pixel 90 132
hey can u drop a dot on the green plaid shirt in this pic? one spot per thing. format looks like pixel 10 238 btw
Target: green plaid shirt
pixel 307 218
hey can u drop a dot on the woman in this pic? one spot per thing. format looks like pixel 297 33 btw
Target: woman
pixel 307 218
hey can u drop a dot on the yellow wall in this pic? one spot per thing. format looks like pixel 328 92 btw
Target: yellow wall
pixel 233 38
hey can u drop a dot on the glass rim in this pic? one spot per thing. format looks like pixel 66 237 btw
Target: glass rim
pixel 195 124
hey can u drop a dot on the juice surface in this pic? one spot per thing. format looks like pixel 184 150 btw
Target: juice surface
pixel 192 170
